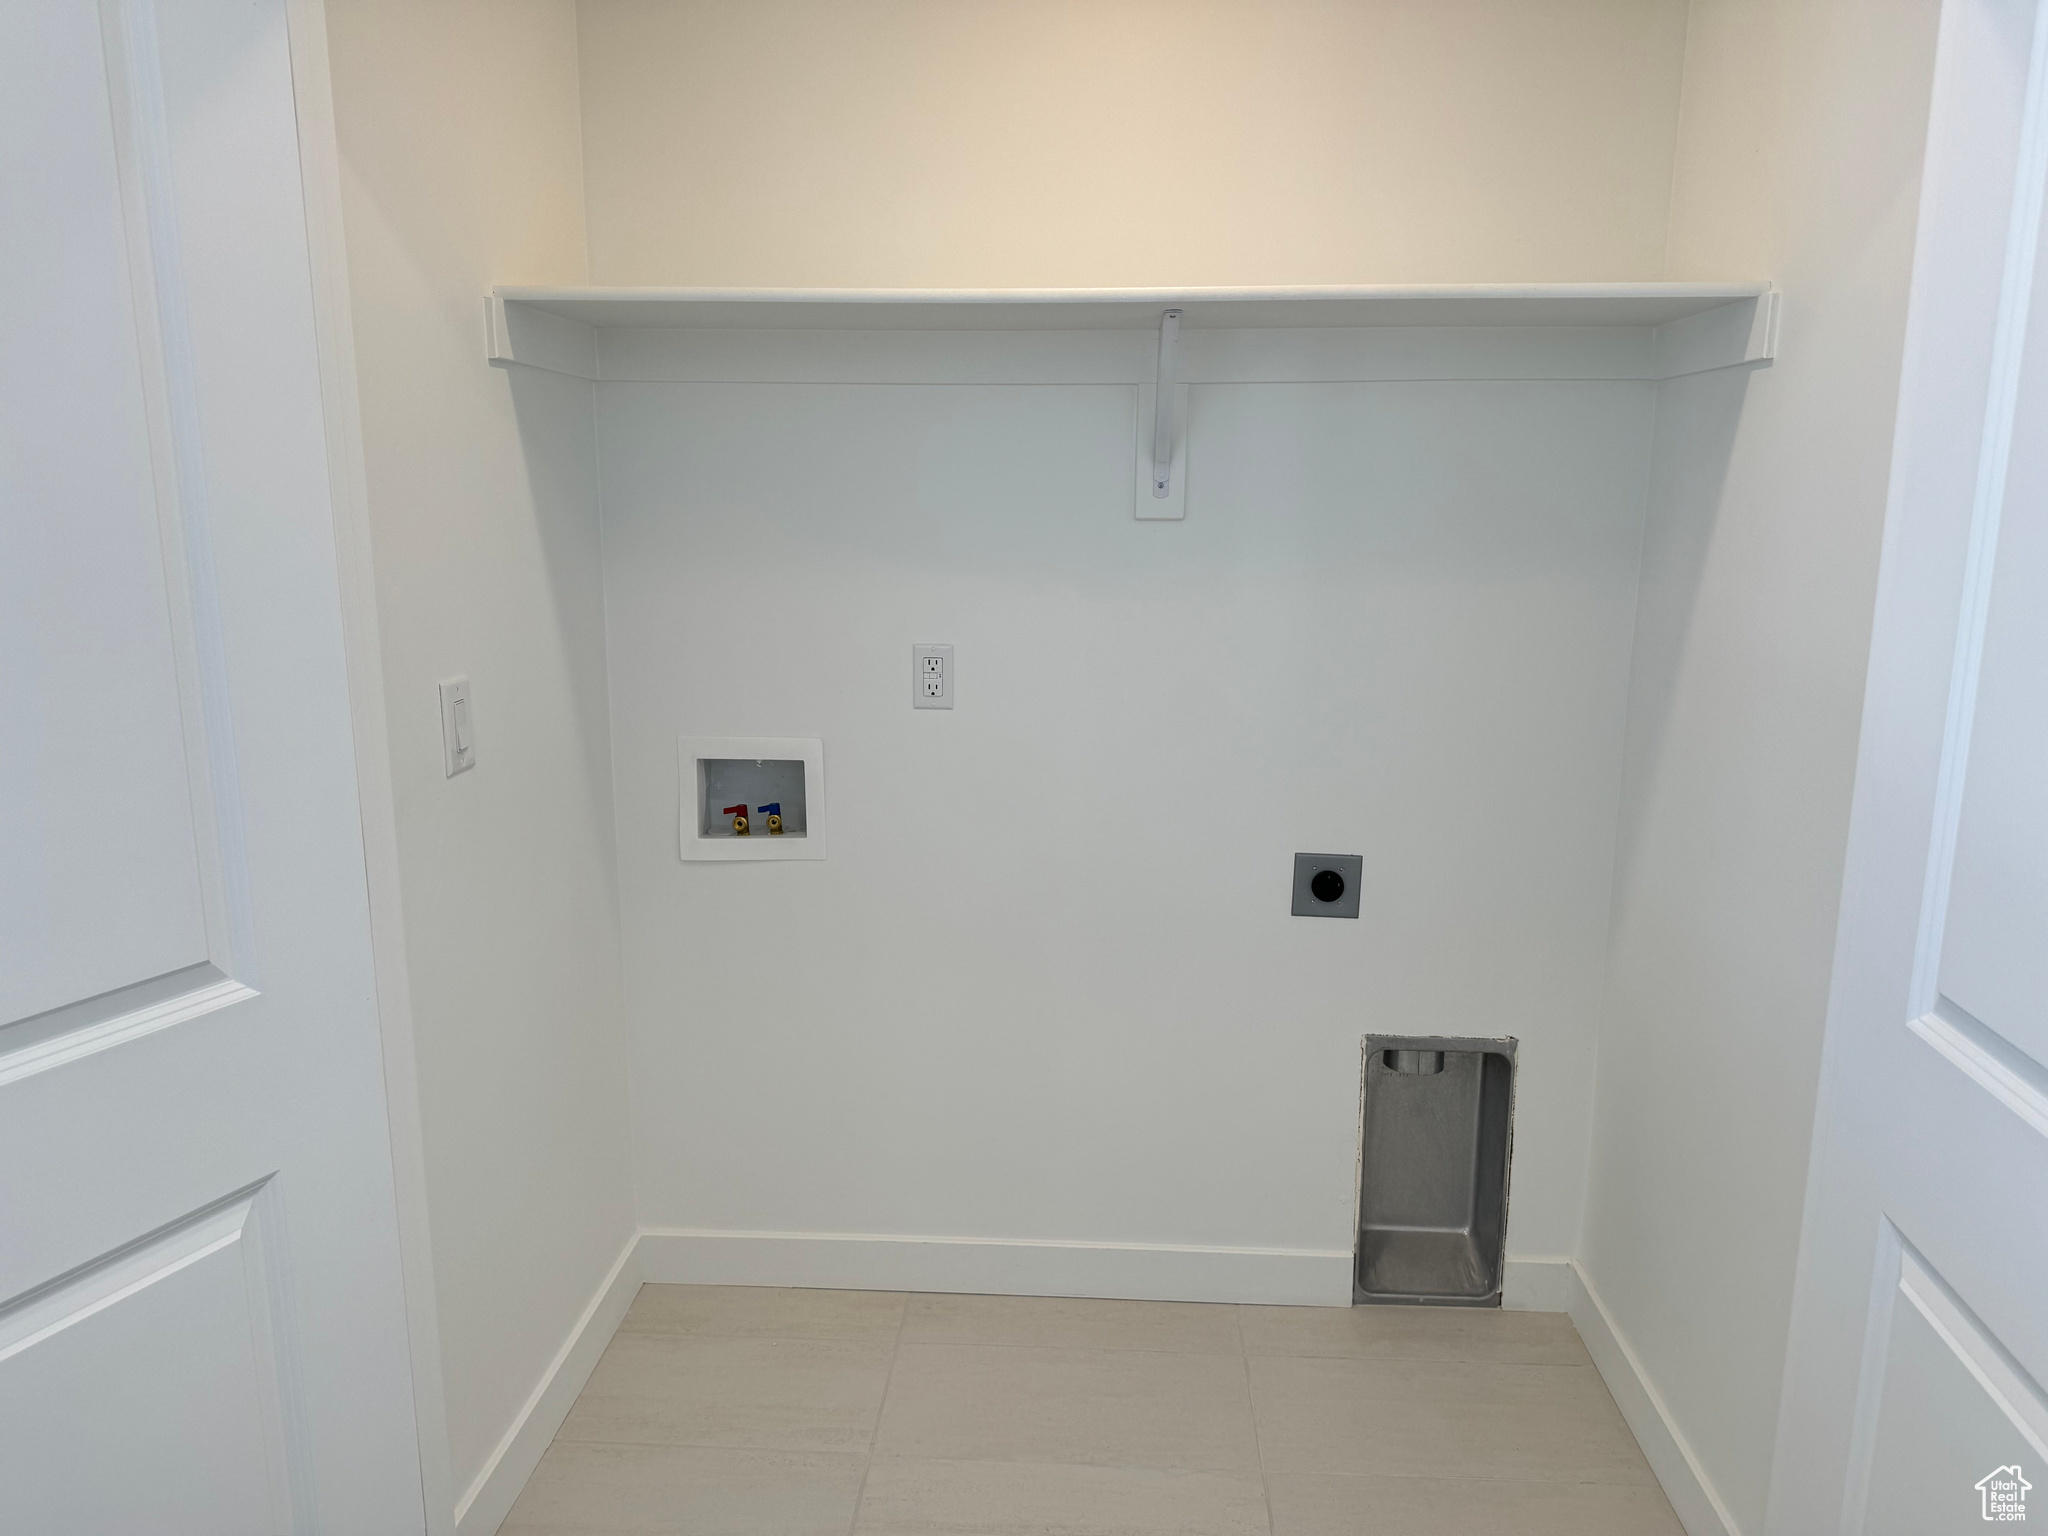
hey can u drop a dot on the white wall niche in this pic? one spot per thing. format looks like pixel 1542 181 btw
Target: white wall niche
pixel 706 773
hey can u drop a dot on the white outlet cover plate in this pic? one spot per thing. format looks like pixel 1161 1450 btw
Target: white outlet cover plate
pixel 694 751
pixel 920 655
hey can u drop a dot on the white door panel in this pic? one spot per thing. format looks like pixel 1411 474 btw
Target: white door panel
pixel 202 1324
pixel 1954 1409
pixel 1957 1137
pixel 96 826
pixel 1994 951
pixel 1919 1337
pixel 182 1319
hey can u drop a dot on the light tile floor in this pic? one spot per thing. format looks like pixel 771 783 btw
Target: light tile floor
pixel 731 1411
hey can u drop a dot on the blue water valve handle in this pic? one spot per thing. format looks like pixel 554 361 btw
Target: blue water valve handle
pixel 773 811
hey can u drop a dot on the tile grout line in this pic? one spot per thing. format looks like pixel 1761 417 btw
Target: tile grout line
pixel 868 1464
pixel 1579 1480
pixel 1096 1349
pixel 1251 1407
pixel 1243 1349
pixel 1082 1349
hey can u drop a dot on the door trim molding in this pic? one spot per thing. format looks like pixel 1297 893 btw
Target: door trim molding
pixel 348 487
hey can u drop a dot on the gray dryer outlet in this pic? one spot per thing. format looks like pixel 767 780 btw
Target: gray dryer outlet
pixel 1326 884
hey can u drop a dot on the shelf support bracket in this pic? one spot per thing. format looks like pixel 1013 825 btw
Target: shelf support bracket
pixel 518 335
pixel 1162 472
pixel 1163 403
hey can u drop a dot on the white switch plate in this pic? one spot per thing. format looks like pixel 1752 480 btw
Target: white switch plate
pixel 931 677
pixel 458 727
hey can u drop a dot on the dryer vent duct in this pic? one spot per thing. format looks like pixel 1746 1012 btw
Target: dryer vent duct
pixel 1437 1132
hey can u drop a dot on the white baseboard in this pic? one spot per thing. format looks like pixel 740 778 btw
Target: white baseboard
pixel 1537 1285
pixel 997 1266
pixel 489 1499
pixel 1698 1503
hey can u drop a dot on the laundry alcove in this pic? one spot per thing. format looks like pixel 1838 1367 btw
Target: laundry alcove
pixel 1395 616
pixel 1046 985
pixel 711 359
pixel 1046 988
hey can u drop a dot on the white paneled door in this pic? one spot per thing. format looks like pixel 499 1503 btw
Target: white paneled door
pixel 202 1327
pixel 1914 1402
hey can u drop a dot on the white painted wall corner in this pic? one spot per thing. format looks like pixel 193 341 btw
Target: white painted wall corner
pixel 489 1499
pixel 1537 1285
pixel 1698 1504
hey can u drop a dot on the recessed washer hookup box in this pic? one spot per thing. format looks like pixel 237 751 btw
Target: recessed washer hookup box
pixel 751 797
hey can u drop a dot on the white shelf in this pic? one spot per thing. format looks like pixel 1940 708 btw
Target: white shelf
pixel 1110 335
pixel 1124 336
pixel 1086 309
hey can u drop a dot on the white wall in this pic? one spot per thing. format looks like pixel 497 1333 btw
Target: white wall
pixel 1046 987
pixel 1799 156
pixel 462 167
pixel 1144 142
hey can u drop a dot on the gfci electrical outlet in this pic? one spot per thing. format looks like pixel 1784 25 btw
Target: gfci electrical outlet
pixel 458 727
pixel 931 677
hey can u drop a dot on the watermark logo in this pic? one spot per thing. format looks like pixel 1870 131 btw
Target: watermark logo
pixel 2005 1494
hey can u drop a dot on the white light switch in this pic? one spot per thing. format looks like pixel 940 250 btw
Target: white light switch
pixel 458 727
pixel 931 677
